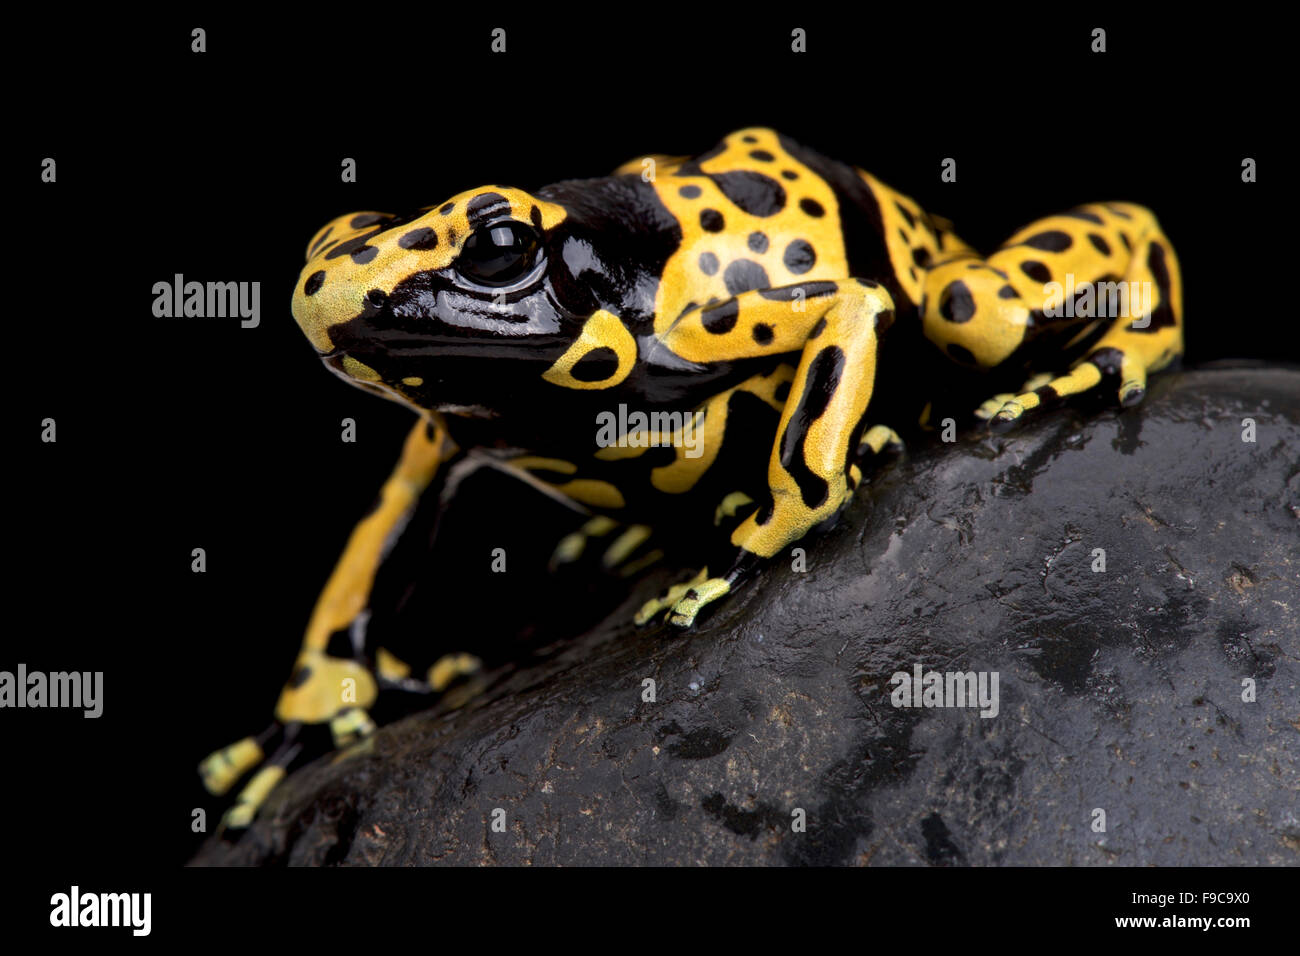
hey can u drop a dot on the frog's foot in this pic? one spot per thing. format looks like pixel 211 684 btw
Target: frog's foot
pixel 878 441
pixel 995 404
pixel 223 768
pixel 1106 363
pixel 622 554
pixel 351 726
pixel 348 727
pixel 696 599
pixel 670 598
pixel 684 602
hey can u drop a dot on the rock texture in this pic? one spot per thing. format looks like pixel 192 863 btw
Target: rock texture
pixel 1119 690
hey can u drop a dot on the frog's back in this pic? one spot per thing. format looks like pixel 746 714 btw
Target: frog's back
pixel 759 211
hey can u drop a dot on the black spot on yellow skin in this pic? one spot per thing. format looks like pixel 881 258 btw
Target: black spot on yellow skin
pixel 423 238
pixel 446 209
pixel 743 275
pixel 596 366
pixel 754 193
pixel 364 254
pixel 1084 215
pixel 485 207
pixel 313 283
pixel 708 263
pixel 762 155
pixel 689 192
pixel 1036 270
pixel 1051 241
pixel 823 378
pixel 799 256
pixel 721 319
pixel 817 329
pixel 711 221
pixel 789 174
pixel 367 219
pixel 350 246
pixel 762 333
pixel 1099 243
pixel 812 207
pixel 956 303
pixel 757 242
pixel 1007 292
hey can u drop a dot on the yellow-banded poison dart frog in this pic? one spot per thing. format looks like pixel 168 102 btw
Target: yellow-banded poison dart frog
pixel 775 316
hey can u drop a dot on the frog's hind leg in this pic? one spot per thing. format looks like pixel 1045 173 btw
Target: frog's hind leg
pixel 1105 269
pixel 1145 309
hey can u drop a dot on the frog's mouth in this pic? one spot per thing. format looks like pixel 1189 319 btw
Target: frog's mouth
pixel 408 393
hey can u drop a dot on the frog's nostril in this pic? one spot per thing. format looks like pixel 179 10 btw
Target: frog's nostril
pixel 376 298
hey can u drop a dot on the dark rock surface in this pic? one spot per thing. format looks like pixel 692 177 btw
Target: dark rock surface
pixel 1119 690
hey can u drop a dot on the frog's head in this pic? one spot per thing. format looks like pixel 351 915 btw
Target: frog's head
pixel 414 307
pixel 973 313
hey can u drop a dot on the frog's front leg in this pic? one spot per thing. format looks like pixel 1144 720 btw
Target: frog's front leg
pixel 834 326
pixel 1127 289
pixel 333 680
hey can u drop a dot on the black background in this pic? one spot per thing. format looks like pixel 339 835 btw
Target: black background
pixel 183 433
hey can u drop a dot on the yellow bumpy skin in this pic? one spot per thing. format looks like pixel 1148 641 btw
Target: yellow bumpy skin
pixel 717 347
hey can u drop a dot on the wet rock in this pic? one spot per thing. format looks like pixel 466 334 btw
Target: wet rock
pixel 1120 691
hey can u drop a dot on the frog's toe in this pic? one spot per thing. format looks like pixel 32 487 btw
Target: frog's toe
pixel 222 768
pixel 668 599
pixel 993 405
pixel 879 439
pixel 1007 418
pixel 696 598
pixel 241 813
pixel 1133 390
pixel 350 726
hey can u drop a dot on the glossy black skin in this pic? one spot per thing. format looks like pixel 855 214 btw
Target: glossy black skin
pixel 472 353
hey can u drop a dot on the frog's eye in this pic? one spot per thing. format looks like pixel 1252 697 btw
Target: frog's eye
pixel 498 254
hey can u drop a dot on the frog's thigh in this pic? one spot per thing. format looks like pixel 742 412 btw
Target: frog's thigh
pixel 1144 339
